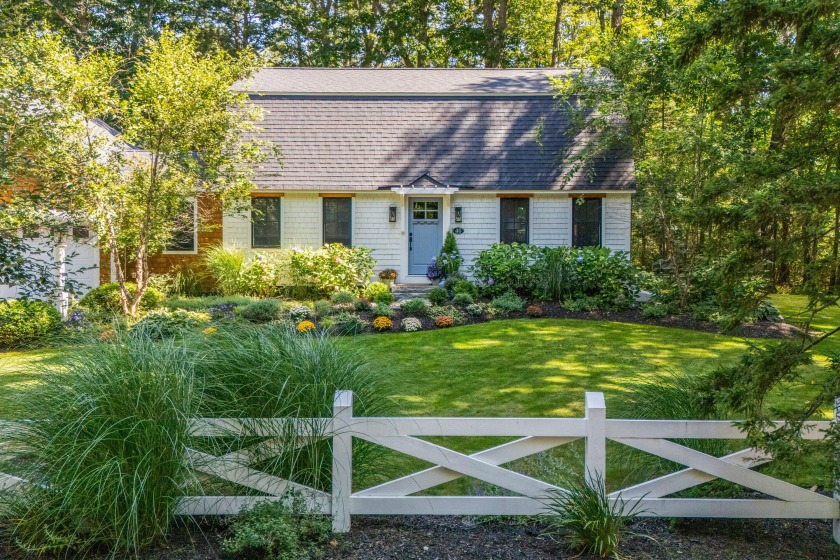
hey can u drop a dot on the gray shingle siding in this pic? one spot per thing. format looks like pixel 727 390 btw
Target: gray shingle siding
pixel 365 142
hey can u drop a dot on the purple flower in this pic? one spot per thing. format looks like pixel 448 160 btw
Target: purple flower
pixel 490 281
pixel 580 259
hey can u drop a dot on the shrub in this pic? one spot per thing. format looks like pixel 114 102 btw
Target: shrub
pixel 411 324
pixel 383 310
pixel 330 268
pixel 382 324
pixel 305 326
pixel 323 308
pixel 766 311
pixel 581 304
pixel 262 311
pixel 534 311
pixel 438 296
pixel 587 518
pixel 575 272
pixel 342 296
pixel 106 298
pixel 271 531
pixel 23 321
pixel 507 303
pixel 449 260
pixel 457 315
pixel 225 265
pixel 462 299
pixel 377 292
pixel 414 307
pixel 465 287
pixel 163 323
pixel 264 274
pixel 444 321
pixel 507 266
pixel 362 304
pixel 300 313
pixel 476 310
pixel 223 311
pixel 651 310
pixel 207 302
pixel 346 324
pixel 109 450
pixel 344 307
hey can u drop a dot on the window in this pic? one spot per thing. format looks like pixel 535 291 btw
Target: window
pixel 514 220
pixel 265 221
pixel 425 210
pixel 338 220
pixel 183 235
pixel 586 222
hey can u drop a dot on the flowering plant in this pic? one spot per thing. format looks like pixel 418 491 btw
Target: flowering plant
pixel 433 272
pixel 221 311
pixel 305 326
pixel 382 324
pixel 388 274
pixel 444 322
pixel 300 313
pixel 411 324
pixel 534 311
pixel 209 330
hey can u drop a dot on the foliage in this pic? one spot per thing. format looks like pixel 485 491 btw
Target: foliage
pixel 382 323
pixel 449 260
pixel 346 324
pixel 581 304
pixel 587 518
pixel 382 310
pixel 300 313
pixel 262 311
pixel 507 266
pixel 462 299
pixel 653 310
pixel 476 309
pixel 438 296
pixel 444 321
pixel 457 315
pixel 223 311
pixel 433 271
pixel 574 272
pixel 24 321
pixel 163 323
pixel 109 448
pixel 507 302
pixel 342 296
pixel 264 274
pixel 224 263
pixel 766 311
pixel 465 287
pixel 270 530
pixel 206 303
pixel 331 268
pixel 322 308
pixel 534 311
pixel 414 307
pixel 305 326
pixel 378 292
pixel 106 298
pixel 411 324
pixel 362 304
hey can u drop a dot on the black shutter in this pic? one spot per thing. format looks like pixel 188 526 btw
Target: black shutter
pixel 338 220
pixel 514 220
pixel 586 222
pixel 265 222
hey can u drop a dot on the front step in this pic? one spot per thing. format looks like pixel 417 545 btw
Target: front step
pixel 403 292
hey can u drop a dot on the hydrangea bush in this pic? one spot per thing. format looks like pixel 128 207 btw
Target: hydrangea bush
pixel 333 267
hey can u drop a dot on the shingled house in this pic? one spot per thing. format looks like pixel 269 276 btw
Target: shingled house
pixel 393 158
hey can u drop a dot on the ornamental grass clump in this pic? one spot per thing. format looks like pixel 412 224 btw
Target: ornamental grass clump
pixel 587 519
pixel 106 447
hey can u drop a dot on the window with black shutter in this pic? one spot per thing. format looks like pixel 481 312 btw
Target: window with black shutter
pixel 338 220
pixel 265 221
pixel 514 220
pixel 586 222
pixel 183 234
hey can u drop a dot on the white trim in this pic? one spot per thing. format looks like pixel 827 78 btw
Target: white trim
pixel 398 94
pixel 194 251
pixel 420 191
pixel 425 191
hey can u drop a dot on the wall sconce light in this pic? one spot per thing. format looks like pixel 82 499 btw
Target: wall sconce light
pixel 459 214
pixel 392 213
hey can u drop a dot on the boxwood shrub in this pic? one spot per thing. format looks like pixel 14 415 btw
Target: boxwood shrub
pixel 106 298
pixel 24 322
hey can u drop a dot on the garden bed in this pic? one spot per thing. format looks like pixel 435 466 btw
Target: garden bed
pixel 466 538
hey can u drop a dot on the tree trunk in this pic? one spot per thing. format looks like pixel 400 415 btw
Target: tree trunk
pixel 555 44
pixel 617 17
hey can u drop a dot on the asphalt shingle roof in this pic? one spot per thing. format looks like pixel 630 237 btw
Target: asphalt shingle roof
pixel 333 141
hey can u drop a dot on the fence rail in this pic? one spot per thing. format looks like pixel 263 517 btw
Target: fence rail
pixel 534 435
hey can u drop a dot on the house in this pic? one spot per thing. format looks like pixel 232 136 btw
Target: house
pixel 392 159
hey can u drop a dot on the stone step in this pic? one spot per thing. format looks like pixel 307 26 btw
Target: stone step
pixel 403 292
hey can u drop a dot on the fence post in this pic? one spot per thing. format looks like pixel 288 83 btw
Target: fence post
pixel 342 462
pixel 595 462
pixel 836 522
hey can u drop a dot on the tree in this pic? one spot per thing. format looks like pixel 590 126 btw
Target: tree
pixel 191 128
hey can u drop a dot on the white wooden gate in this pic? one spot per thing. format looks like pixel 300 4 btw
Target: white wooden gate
pixel 535 435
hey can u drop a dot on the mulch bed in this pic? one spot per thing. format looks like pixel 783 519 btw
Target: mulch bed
pixel 763 329
pixel 464 538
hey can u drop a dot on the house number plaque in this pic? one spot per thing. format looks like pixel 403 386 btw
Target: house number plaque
pixel 458 230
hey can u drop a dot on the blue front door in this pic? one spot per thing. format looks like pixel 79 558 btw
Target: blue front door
pixel 424 233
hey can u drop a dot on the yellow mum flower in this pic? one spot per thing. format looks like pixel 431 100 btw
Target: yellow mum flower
pixel 305 326
pixel 209 330
pixel 382 323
